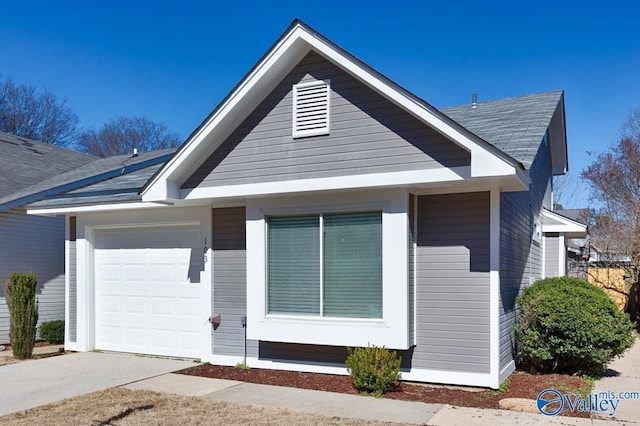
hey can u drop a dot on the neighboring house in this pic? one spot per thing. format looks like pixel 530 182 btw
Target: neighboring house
pixel 578 248
pixel 37 242
pixel 565 242
pixel 32 243
pixel 324 206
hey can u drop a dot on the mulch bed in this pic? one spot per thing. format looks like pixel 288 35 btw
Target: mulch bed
pixel 521 385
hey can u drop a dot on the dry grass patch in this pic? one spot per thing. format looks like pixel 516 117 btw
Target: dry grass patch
pixel 123 407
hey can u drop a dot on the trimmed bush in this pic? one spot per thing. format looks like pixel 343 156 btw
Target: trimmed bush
pixel 373 369
pixel 52 331
pixel 20 294
pixel 567 325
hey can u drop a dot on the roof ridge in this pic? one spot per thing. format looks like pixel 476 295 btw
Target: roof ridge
pixel 510 98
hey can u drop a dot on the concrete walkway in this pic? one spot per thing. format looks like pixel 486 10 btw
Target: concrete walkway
pixel 349 406
pixel 623 376
pixel 32 383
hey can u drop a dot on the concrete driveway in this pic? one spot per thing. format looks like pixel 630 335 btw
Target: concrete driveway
pixel 32 383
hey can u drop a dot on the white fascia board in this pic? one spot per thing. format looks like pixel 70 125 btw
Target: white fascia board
pixel 373 180
pixel 285 54
pixel 166 184
pixel 562 224
pixel 455 179
pixel 54 211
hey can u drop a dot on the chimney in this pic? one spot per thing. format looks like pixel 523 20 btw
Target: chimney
pixel 135 152
pixel 474 100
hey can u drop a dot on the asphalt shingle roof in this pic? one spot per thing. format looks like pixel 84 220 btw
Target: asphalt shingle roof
pixel 125 187
pixel 88 174
pixel 24 162
pixel 578 215
pixel 516 126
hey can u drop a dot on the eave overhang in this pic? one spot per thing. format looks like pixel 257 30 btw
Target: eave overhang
pixel 555 223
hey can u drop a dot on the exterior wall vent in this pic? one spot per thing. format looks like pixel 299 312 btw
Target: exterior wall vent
pixel 311 102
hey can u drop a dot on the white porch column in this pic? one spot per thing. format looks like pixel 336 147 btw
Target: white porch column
pixel 494 286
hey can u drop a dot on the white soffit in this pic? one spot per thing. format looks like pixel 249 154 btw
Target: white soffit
pixel 553 222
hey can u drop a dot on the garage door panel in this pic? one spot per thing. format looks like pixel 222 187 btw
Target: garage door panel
pixel 163 306
pixel 110 334
pixel 190 340
pixel 135 336
pixel 189 306
pixel 147 299
pixel 135 273
pixel 163 273
pixel 135 304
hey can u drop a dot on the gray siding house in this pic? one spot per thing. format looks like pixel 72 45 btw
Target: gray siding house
pixel 32 243
pixel 37 242
pixel 322 206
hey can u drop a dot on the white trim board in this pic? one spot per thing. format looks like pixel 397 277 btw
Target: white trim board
pixel 392 330
pixel 494 287
pixel 415 374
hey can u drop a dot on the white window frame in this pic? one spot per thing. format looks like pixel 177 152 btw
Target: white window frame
pixel 315 131
pixel 320 216
pixel 392 330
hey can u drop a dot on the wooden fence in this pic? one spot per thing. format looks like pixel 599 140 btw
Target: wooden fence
pixel 612 281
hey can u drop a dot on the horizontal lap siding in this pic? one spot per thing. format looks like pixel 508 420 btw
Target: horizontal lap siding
pixel 452 280
pixel 515 242
pixel 521 259
pixel 368 135
pixel 230 282
pixel 33 243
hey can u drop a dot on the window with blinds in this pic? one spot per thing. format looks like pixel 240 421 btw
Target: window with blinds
pixel 327 265
pixel 311 108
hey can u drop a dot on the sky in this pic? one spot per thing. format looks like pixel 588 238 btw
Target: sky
pixel 174 61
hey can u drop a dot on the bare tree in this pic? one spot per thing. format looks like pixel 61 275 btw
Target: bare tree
pixel 122 134
pixel 615 179
pixel 39 116
pixel 567 190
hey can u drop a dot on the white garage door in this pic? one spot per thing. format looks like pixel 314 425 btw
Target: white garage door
pixel 147 285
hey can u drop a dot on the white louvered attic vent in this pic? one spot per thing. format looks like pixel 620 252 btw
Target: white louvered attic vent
pixel 311 108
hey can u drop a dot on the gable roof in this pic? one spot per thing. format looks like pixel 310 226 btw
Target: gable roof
pixel 516 125
pixel 97 171
pixel 289 49
pixel 24 162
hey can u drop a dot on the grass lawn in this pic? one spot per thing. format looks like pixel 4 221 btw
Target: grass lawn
pixel 117 406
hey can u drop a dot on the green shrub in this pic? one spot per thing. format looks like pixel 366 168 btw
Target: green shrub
pixel 567 325
pixel 20 294
pixel 52 331
pixel 373 369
